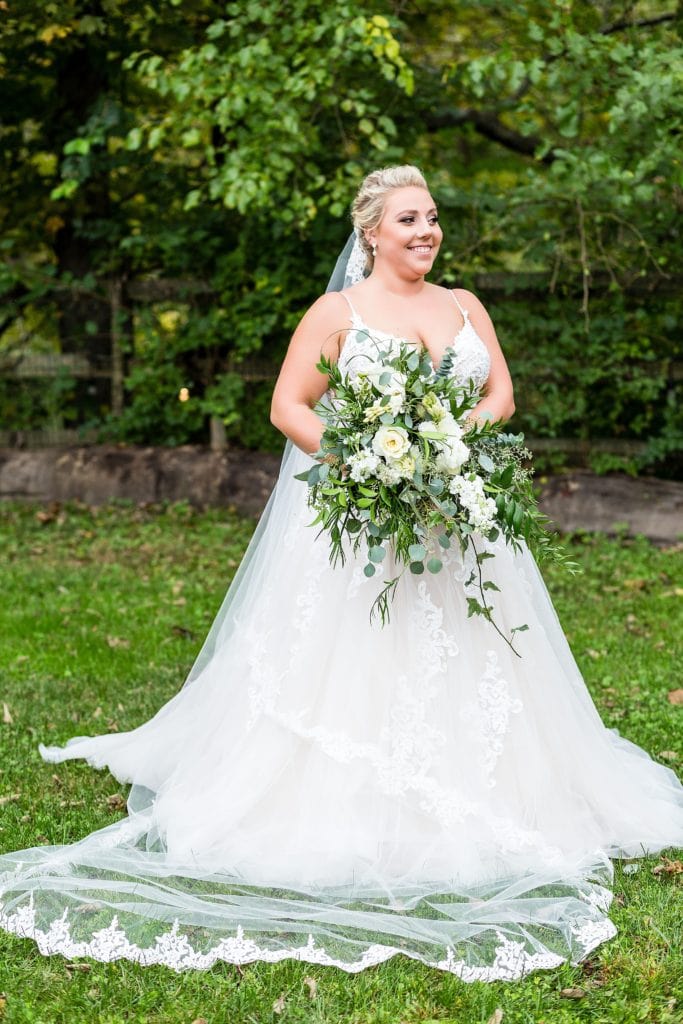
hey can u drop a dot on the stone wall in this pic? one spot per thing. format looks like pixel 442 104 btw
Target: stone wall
pixel 244 479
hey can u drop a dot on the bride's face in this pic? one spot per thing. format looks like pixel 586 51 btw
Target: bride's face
pixel 408 236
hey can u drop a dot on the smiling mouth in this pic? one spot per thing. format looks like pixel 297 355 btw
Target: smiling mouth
pixel 425 249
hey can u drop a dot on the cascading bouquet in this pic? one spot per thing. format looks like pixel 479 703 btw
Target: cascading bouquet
pixel 398 467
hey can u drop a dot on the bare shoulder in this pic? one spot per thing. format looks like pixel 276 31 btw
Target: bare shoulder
pixel 328 305
pixel 469 300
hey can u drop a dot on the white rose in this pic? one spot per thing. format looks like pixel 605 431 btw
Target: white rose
pixel 391 442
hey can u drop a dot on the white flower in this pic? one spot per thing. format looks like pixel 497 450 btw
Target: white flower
pixel 452 456
pixel 362 465
pixel 406 465
pixel 450 426
pixel 391 442
pixel 482 509
pixel 374 411
pixel 389 474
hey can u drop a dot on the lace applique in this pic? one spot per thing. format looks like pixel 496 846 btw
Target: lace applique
pixel 472 361
pixel 265 681
pixel 397 773
pixel 358 579
pixel 412 739
pixel 511 960
pixel 491 714
pixel 435 645
pixel 356 264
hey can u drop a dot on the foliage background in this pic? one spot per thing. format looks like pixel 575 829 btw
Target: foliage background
pixel 199 160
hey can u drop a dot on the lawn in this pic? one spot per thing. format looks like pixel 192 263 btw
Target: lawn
pixel 102 614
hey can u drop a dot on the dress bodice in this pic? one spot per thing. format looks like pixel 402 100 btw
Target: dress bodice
pixel 472 360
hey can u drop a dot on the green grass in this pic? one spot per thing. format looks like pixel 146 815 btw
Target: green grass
pixel 101 615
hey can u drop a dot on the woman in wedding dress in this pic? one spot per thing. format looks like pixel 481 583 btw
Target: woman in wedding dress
pixel 330 790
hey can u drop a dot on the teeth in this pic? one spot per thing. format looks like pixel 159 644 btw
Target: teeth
pixel 420 248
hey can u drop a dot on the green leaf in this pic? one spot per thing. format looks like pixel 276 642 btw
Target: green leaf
pixel 417 552
pixel 486 462
pixel 417 568
pixel 435 565
pixel 369 569
pixel 489 585
pixel 444 541
pixel 376 553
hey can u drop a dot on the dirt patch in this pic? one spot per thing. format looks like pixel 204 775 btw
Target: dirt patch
pixel 244 479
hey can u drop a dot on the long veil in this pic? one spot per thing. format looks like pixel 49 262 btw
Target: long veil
pixel 120 893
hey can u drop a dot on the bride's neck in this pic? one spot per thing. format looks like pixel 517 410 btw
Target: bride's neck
pixel 403 288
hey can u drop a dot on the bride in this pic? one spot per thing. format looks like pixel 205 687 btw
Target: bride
pixel 329 790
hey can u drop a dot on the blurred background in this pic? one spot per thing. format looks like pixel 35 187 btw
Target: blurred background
pixel 176 186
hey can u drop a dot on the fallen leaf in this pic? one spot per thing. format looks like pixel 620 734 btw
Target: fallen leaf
pixel 186 634
pixel 3 1004
pixel 675 696
pixel 312 987
pixel 118 641
pixel 70 968
pixel 279 1004
pixel 668 755
pixel 573 993
pixel 97 712
pixel 9 799
pixel 496 1017
pixel 116 802
pixel 200 1020
pixel 6 715
pixel 668 867
pixel 638 584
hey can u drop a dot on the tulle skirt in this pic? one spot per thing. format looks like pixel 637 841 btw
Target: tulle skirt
pixel 334 791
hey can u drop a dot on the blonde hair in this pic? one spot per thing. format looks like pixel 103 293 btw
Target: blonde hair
pixel 367 208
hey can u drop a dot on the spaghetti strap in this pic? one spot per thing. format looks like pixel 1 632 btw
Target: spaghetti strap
pixel 463 311
pixel 353 311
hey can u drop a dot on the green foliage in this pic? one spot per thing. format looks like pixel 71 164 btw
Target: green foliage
pixel 222 143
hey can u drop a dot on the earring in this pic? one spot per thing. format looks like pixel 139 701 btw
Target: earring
pixel 374 249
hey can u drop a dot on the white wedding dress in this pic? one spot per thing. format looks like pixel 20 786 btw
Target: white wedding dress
pixel 337 792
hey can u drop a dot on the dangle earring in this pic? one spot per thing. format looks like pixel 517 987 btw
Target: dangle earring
pixel 374 249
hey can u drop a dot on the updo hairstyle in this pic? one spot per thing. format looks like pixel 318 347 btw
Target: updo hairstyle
pixel 367 208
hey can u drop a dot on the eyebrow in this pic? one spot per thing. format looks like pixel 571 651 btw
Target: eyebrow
pixel 432 210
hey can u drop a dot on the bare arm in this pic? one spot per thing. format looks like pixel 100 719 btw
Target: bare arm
pixel 498 396
pixel 299 384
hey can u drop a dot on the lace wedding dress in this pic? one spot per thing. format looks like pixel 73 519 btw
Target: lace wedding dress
pixel 339 793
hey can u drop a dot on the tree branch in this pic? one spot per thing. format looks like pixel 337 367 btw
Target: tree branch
pixel 488 124
pixel 641 23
